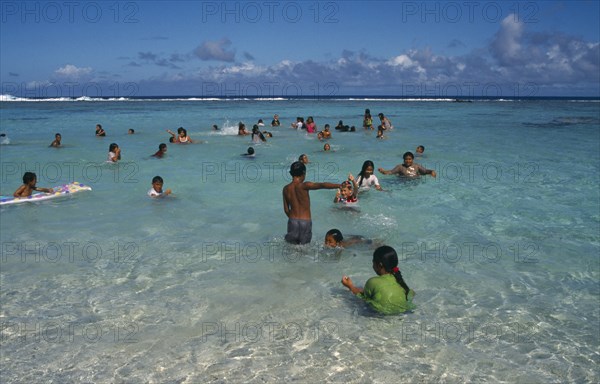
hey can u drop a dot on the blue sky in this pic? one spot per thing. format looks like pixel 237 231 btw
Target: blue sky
pixel 309 48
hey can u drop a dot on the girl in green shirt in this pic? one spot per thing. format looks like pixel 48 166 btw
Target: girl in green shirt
pixel 386 293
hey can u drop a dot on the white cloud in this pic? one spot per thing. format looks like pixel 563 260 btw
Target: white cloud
pixel 72 71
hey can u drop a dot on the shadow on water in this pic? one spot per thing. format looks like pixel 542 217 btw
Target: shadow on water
pixel 563 122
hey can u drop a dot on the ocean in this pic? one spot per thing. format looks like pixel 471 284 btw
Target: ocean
pixel 501 248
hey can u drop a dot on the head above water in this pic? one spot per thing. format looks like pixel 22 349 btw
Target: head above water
pixel 28 177
pixel 386 256
pixel 250 151
pixel 297 169
pixel 409 155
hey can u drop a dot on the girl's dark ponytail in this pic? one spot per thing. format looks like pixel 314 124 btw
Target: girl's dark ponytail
pixel 388 257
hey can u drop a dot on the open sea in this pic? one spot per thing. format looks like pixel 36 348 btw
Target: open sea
pixel 110 286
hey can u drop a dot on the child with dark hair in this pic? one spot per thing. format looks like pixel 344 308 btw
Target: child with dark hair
pixel 387 293
pixel 29 180
pixel 296 204
pixel 114 153
pixel 366 179
pixel 157 188
pixel 368 120
pixel 57 141
pixel 162 149
pixel 409 168
pixel 334 239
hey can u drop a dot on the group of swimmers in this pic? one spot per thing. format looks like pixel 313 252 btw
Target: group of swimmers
pixel 387 293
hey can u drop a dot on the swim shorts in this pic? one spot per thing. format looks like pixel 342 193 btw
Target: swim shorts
pixel 299 231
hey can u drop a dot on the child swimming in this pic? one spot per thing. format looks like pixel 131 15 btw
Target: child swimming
pixel 334 239
pixel 156 190
pixel 29 181
pixel 387 293
pixel 348 192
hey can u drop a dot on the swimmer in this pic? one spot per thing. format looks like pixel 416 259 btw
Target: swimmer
pixel 162 149
pixel 157 188
pixel 99 131
pixel 29 181
pixel 419 151
pixel 275 122
pixel 303 159
pixel 242 129
pixel 56 143
pixel 257 135
pixel 130 131
pixel 348 192
pixel 387 293
pixel 114 153
pixel 326 147
pixel 366 178
pixel 334 239
pixel 408 168
pixel 249 153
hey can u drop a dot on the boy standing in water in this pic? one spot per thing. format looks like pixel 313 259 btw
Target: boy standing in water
pixel 296 204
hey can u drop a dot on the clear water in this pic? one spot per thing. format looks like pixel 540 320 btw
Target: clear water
pixel 502 247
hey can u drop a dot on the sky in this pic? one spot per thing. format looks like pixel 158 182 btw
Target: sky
pixel 300 48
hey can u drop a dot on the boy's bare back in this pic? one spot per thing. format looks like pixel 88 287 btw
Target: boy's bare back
pixel 296 200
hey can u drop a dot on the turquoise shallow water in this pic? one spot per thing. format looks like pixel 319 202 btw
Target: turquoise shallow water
pixel 110 286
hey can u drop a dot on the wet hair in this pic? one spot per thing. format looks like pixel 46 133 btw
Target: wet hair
pixel 250 151
pixel 58 134
pixel 28 177
pixel 215 127
pixel 361 174
pixel 387 256
pixel 336 234
pixel 161 146
pixel 254 128
pixel 422 148
pixel 368 112
pixel 297 168
pixel 157 179
pixel 112 147
pixel 131 130
pixel 408 154
pixel 301 156
pixel 180 129
pixel 171 139
pixel 380 115
pixel 326 147
pixel 326 126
